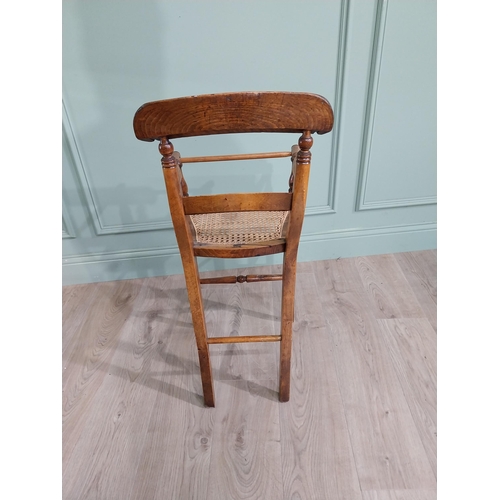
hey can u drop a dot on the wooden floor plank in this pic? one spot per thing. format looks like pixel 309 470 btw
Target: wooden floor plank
pixel 110 445
pixel 85 365
pixel 246 453
pixel 175 457
pixel 149 416
pixel 390 292
pixel 343 274
pixel 400 495
pixel 412 347
pixel 78 301
pixel 386 444
pixel 72 296
pixel 420 270
pixel 316 450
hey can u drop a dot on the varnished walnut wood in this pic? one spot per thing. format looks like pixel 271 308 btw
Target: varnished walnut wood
pixel 296 218
pixel 240 251
pixel 249 156
pixel 251 278
pixel 185 242
pixel 305 143
pixel 166 149
pixel 244 339
pixel 230 113
pixel 237 113
pixel 237 202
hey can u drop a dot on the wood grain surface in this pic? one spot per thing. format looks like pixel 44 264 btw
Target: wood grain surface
pixel 420 270
pixel 317 455
pixel 235 202
pixel 246 156
pixel 233 112
pixel 400 495
pixel 388 288
pixel 85 366
pixel 361 419
pixel 246 452
pixel 78 300
pixel 226 114
pixel 386 443
pixel 412 347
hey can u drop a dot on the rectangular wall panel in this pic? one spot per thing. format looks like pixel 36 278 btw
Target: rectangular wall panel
pixel 398 159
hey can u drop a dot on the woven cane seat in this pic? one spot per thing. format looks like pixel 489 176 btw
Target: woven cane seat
pixel 232 228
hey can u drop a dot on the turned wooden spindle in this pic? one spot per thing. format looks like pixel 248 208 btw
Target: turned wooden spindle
pixel 166 149
pixel 247 156
pixel 251 278
pixel 302 156
pixel 305 144
pixel 171 159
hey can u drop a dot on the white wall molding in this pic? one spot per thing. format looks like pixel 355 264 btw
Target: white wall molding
pixel 120 255
pixel 68 230
pixel 368 231
pixel 90 199
pixel 370 107
pixel 397 203
pixel 371 101
pixel 331 206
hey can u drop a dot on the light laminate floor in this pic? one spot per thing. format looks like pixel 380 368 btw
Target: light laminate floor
pixel 360 424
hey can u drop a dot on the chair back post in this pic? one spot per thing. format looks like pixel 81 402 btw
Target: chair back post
pixel 298 185
pixel 173 183
pixel 171 168
pixel 299 181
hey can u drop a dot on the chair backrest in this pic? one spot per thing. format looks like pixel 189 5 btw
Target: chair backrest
pixel 234 112
pixel 244 112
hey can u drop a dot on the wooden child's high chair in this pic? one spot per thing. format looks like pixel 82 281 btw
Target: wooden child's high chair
pixel 237 225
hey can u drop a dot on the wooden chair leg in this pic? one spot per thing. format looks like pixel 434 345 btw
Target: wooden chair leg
pixel 200 328
pixel 287 313
pixel 173 181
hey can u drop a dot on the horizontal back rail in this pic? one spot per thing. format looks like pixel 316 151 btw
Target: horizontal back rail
pixel 249 156
pixel 234 112
pixel 237 202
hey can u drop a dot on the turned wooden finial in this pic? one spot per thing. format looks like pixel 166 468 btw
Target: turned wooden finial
pixel 166 149
pixel 305 144
pixel 305 141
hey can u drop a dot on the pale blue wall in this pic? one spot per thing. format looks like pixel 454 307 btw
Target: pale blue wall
pixel 373 180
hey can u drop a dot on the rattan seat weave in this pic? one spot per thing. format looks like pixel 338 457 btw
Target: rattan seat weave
pixel 231 228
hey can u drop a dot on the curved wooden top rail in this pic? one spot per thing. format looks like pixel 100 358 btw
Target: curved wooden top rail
pixel 232 113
